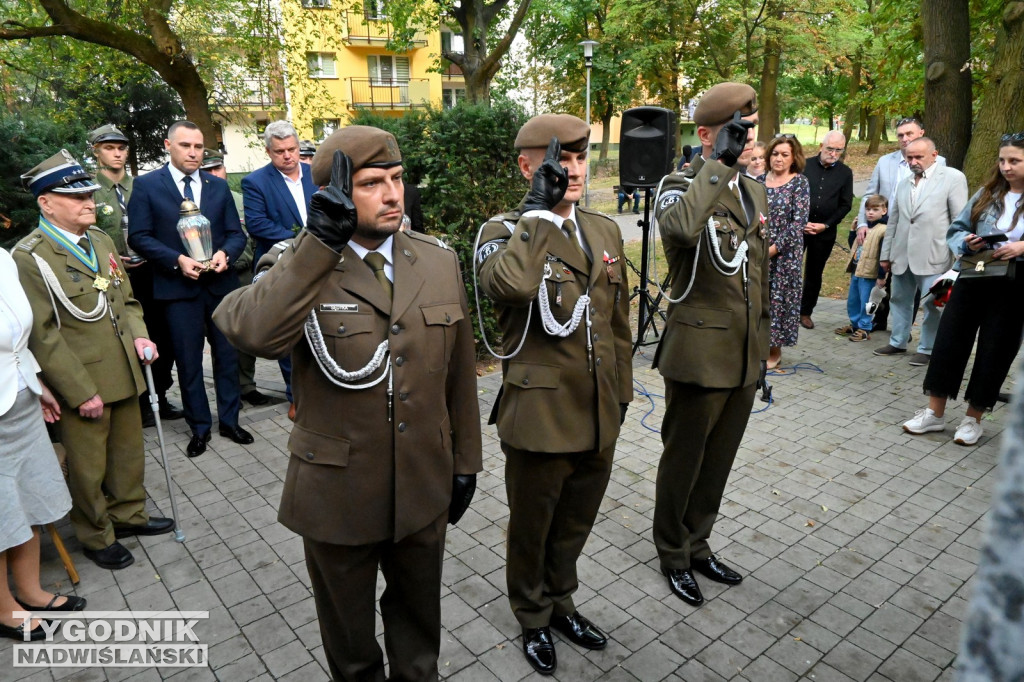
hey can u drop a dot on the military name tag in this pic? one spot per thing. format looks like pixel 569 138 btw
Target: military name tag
pixel 339 307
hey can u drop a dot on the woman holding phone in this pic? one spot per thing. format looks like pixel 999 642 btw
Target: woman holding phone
pixel 986 308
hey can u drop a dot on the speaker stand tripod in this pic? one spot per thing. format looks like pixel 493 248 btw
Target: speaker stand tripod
pixel 648 304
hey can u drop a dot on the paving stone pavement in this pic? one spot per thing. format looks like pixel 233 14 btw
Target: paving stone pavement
pixel 858 542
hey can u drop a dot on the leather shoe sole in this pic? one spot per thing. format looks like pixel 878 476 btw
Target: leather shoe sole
pixel 539 649
pixel 684 585
pixel 580 631
pixel 113 557
pixel 197 445
pixel 155 526
pixel 236 434
pixel 713 569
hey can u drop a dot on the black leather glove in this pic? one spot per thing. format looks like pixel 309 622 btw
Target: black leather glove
pixel 463 487
pixel 731 140
pixel 332 215
pixel 622 413
pixel 550 181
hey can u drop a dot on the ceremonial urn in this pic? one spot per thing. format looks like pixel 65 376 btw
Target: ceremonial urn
pixel 194 230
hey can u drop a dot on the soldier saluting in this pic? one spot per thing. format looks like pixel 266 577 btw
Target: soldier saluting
pixel 87 332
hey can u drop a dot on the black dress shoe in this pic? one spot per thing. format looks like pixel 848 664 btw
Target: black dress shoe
pixel 18 632
pixel 715 570
pixel 148 420
pixel 157 525
pixel 540 650
pixel 255 398
pixel 72 603
pixel 579 630
pixel 170 411
pixel 236 433
pixel 684 585
pixel 113 557
pixel 197 445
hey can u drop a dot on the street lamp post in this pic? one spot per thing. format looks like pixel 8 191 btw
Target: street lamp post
pixel 588 62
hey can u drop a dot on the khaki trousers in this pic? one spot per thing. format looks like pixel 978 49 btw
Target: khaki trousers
pixel 553 500
pixel 701 432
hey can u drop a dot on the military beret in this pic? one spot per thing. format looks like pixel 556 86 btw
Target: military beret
pixel 212 158
pixel 107 133
pixel 572 133
pixel 60 173
pixel 368 147
pixel 719 103
pixel 307 148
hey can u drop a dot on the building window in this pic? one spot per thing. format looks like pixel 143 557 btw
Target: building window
pixel 386 69
pixel 452 43
pixel 452 96
pixel 321 65
pixel 322 127
pixel 374 10
pixel 316 4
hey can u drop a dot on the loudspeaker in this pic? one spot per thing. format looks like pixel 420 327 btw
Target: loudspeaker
pixel 647 145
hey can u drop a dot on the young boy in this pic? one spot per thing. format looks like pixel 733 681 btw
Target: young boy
pixel 867 274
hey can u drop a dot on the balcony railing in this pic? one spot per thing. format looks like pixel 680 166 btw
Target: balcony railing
pixel 260 92
pixel 367 28
pixel 377 94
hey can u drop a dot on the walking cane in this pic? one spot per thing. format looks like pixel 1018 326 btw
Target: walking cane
pixel 154 403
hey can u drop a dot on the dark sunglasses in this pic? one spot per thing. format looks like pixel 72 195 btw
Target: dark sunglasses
pixel 1012 137
pixel 785 136
pixel 909 119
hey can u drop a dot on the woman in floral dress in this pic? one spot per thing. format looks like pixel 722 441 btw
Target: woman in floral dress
pixel 789 199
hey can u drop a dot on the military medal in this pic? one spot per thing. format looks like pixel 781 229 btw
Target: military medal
pixel 734 241
pixel 115 272
pixel 101 283
pixel 762 222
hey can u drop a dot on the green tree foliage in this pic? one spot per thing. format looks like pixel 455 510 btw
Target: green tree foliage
pixel 468 172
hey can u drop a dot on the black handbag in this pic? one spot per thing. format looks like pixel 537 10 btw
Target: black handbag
pixel 978 265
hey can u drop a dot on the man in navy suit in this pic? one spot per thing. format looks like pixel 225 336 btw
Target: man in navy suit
pixel 276 196
pixel 191 289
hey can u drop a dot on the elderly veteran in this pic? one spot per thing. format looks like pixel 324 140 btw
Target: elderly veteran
pixel 87 333
pixel 712 222
pixel 557 275
pixel 386 442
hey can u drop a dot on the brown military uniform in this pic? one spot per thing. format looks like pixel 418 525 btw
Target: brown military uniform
pixel 81 359
pixel 361 483
pixel 109 216
pixel 710 354
pixel 558 411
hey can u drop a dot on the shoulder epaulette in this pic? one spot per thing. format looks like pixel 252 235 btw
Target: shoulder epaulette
pixel 429 240
pixel 30 242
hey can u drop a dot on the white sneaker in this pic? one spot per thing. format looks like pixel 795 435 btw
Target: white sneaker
pixel 968 432
pixel 924 421
pixel 875 299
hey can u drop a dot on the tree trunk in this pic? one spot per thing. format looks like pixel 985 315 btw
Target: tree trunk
pixel 1002 103
pixel 768 98
pixel 852 110
pixel 947 85
pixel 606 130
pixel 875 124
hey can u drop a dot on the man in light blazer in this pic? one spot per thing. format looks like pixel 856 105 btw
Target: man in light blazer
pixel 277 196
pixel 190 289
pixel 914 249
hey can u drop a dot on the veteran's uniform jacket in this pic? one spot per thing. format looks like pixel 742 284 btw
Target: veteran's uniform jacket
pixel 355 477
pixel 555 398
pixel 82 359
pixel 718 335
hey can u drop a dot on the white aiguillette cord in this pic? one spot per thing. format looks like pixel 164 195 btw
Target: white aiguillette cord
pixel 54 289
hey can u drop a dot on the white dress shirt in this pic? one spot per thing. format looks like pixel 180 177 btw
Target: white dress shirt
pixel 386 249
pixel 197 183
pixel 298 196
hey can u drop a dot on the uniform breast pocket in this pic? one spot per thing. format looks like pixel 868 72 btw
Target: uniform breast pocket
pixel 728 237
pixel 703 318
pixel 441 320
pixel 350 337
pixel 563 289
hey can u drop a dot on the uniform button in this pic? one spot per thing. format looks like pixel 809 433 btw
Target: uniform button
pixel 407 253
pixel 525 236
pixel 558 275
pixel 714 179
pixel 593 310
pixel 526 381
pixel 395 329
pixel 400 360
pixel 309 456
pixel 401 427
pixel 700 323
pixel 341 329
pixel 403 396
pixel 596 337
pixel 447 317
pixel 598 362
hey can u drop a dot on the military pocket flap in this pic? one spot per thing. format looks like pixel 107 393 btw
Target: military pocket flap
pixel 318 448
pixel 88 354
pixel 704 318
pixel 340 325
pixel 442 313
pixel 530 375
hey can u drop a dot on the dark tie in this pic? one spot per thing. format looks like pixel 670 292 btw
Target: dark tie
pixel 570 232
pixel 123 205
pixel 84 244
pixel 188 188
pixel 376 262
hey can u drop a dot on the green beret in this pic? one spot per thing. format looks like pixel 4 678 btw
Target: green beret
pixel 572 133
pixel 107 133
pixel 719 103
pixel 212 158
pixel 368 147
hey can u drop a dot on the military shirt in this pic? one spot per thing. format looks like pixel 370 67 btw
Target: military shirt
pixel 109 216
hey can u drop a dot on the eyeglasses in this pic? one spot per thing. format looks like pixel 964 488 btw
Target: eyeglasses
pixel 785 136
pixel 1012 137
pixel 834 150
pixel 909 119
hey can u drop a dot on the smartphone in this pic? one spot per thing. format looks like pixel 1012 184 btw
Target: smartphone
pixel 992 239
